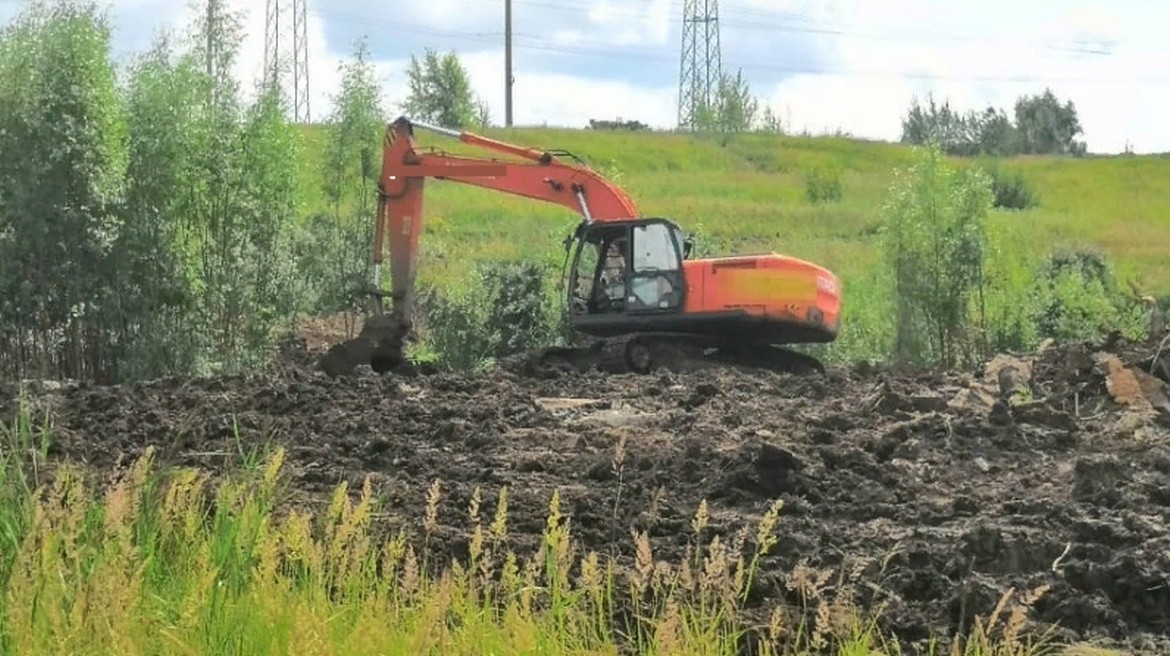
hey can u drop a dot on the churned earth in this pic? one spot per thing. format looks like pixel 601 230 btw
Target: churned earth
pixel 933 493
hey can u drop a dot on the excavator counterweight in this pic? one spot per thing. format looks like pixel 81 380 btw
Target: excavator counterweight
pixel 631 279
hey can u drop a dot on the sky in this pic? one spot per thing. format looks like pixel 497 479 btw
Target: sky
pixel 822 66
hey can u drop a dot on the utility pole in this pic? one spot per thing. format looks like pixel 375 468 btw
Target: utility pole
pixel 508 63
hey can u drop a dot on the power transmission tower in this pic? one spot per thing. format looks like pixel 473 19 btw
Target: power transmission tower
pixel 701 66
pixel 300 61
pixel 272 44
pixel 275 51
pixel 214 30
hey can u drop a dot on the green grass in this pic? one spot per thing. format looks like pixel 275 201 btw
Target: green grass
pixel 750 196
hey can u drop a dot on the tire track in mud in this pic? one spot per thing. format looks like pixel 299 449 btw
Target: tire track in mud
pixel 935 491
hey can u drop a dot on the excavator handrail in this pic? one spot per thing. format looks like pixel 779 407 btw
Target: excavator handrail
pixel 592 195
pixel 473 139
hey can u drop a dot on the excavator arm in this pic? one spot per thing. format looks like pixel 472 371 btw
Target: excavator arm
pixel 539 175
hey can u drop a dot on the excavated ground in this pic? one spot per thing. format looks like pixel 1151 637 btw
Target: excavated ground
pixel 936 491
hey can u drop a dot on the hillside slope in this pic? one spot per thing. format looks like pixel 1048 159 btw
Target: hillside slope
pixel 750 196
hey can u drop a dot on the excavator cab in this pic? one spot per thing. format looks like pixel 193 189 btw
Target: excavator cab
pixel 624 268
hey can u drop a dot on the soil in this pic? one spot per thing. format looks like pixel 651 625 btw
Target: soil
pixel 937 491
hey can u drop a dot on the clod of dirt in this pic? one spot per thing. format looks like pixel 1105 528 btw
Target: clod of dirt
pixel 701 394
pixel 1130 386
pixel 1012 374
pixel 379 346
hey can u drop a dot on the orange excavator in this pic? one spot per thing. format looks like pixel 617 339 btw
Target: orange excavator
pixel 632 281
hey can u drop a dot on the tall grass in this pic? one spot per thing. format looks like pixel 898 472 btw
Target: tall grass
pixel 178 562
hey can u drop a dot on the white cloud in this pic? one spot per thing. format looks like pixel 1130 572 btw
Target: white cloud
pixel 1116 105
pixel 557 99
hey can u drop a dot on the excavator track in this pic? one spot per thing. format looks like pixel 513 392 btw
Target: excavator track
pixel 647 353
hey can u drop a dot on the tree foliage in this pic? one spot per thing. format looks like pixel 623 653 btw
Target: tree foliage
pixel 734 108
pixel 355 130
pixel 440 92
pixel 60 189
pixel 331 249
pixel 934 245
pixel 1047 127
pixel 146 227
pixel 1040 125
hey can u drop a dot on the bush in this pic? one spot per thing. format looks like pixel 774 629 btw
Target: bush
pixel 1081 299
pixel 822 186
pixel 331 268
pixel 1009 300
pixel 516 317
pixel 1011 191
pixel 503 310
pixel 934 245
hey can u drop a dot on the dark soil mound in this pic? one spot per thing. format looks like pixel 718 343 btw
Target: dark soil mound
pixel 938 492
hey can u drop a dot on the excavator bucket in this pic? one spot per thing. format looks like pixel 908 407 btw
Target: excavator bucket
pixel 379 345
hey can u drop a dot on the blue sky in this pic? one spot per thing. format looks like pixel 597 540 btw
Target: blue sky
pixel 851 65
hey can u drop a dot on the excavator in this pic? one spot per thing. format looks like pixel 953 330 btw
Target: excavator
pixel 633 285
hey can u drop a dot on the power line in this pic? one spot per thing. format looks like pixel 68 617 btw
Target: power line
pixel 540 43
pixel 536 42
pixel 802 24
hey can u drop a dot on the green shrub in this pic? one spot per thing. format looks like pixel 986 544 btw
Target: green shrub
pixel 331 270
pixel 517 316
pixel 1010 189
pixel 934 244
pixel 822 186
pixel 1009 302
pixel 504 309
pixel 1081 299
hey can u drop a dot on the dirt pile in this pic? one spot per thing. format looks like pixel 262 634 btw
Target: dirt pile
pixel 937 492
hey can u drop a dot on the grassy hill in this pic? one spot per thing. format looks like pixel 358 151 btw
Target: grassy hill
pixel 749 195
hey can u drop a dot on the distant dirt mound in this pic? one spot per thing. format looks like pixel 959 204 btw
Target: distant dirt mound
pixel 937 491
